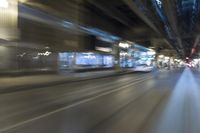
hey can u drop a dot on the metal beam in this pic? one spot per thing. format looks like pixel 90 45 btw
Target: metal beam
pixel 135 9
pixel 169 6
pixel 110 12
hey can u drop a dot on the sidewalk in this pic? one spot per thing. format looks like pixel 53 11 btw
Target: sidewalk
pixel 12 84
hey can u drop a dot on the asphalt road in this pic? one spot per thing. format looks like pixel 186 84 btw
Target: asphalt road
pixel 132 103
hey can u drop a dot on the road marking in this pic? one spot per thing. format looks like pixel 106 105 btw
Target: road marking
pixel 69 106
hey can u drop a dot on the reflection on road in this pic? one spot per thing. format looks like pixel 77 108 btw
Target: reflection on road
pixel 182 109
pixel 133 103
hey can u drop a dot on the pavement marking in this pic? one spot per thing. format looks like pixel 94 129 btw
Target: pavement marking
pixel 69 106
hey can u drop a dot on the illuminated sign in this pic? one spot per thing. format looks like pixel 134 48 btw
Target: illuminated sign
pixel 47 53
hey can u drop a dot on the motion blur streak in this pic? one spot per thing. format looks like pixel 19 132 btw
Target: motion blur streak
pixel 181 113
pixel 42 17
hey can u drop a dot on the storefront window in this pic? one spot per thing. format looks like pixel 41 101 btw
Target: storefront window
pixel 69 60
pixel 66 60
pixel 89 59
pixel 94 60
pixel 132 54
pixel 108 61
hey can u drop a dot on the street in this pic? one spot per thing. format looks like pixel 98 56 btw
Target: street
pixel 99 66
pixel 132 103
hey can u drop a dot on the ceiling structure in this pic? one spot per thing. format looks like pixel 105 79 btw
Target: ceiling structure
pixel 175 22
pixel 135 28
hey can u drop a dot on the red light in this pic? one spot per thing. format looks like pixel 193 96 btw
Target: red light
pixel 193 50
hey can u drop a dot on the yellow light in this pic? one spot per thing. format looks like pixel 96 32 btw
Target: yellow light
pixel 167 58
pixel 4 4
pixel 22 1
pixel 161 56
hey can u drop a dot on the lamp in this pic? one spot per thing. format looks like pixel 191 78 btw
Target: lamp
pixel 4 4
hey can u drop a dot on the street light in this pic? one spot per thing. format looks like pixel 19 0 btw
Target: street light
pixel 4 4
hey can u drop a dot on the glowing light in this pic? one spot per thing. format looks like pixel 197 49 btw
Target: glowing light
pixel 123 54
pixel 159 2
pixel 124 45
pixel 104 49
pixel 151 52
pixel 167 58
pixel 4 4
pixel 196 60
pixel 47 53
pixel 193 50
pixel 23 1
pixel 161 56
pixel 177 60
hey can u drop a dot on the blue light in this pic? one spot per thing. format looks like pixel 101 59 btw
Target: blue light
pixel 141 48
pixel 159 9
pixel 159 3
pixel 100 33
pixel 43 17
pixel 26 10
pixel 68 24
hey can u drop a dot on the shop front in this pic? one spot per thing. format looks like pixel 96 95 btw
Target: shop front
pixel 126 54
pixel 85 60
pixel 133 55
